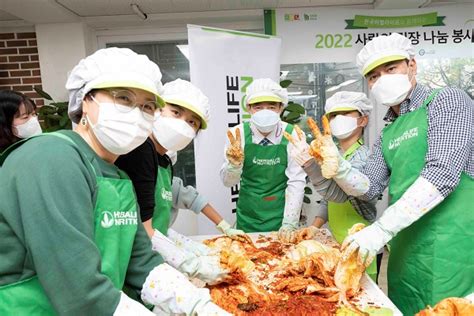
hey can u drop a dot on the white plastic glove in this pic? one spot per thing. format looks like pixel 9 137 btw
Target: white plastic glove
pixel 234 153
pixel 300 150
pixel 227 230
pixel 197 248
pixel 350 180
pixel 420 197
pixel 173 293
pixel 323 148
pixel 307 233
pixel 288 232
pixel 128 306
pixel 205 268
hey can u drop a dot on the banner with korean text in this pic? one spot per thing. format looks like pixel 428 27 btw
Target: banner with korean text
pixel 320 35
pixel 222 64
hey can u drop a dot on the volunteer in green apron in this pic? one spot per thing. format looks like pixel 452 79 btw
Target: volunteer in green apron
pixel 427 155
pixel 271 182
pixel 18 118
pixel 348 116
pixel 28 296
pixel 261 202
pixel 185 113
pixel 69 227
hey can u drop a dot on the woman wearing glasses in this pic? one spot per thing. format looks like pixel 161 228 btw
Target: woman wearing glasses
pixel 70 234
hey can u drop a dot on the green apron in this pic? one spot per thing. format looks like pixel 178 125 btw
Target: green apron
pixel 262 187
pixel 163 200
pixel 433 258
pixel 115 226
pixel 342 216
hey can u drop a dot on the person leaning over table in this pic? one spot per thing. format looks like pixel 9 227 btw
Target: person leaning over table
pixel 69 232
pixel 18 118
pixel 348 114
pixel 426 155
pixel 185 113
pixel 271 182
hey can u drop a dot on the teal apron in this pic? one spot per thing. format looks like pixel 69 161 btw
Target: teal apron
pixel 163 200
pixel 262 187
pixel 342 216
pixel 434 257
pixel 115 225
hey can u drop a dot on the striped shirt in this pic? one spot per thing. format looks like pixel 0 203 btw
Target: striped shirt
pixel 450 141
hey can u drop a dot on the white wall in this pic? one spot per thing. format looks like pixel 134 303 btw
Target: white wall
pixel 61 46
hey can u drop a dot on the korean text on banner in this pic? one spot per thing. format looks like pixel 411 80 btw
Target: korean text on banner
pixel 322 35
pixel 222 64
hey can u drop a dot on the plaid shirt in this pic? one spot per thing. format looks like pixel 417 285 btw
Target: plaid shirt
pixel 450 141
pixel 330 191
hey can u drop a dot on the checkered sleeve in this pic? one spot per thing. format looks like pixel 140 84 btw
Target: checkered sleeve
pixel 450 140
pixel 377 171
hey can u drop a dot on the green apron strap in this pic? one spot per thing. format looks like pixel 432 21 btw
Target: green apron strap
pixel 247 133
pixel 351 150
pixel 432 95
pixel 163 200
pixel 289 130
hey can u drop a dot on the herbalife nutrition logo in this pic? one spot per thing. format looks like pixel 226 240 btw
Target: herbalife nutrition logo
pixel 117 218
pixel 166 195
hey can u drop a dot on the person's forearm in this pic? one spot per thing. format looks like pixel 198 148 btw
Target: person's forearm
pixel 149 228
pixel 327 188
pixel 230 175
pixel 212 214
pixel 318 222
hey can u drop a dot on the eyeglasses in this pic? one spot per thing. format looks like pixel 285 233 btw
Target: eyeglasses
pixel 125 101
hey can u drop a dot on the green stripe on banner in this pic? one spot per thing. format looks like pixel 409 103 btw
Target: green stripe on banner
pixel 236 32
pixel 269 18
pixel 367 21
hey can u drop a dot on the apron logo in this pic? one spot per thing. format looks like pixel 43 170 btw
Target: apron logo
pixel 166 195
pixel 107 220
pixel 266 162
pixel 110 219
pixel 394 143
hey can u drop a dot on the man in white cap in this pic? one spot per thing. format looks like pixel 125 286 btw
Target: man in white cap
pixel 69 229
pixel 348 113
pixel 426 156
pixel 271 182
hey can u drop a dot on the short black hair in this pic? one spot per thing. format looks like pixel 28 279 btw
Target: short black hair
pixel 10 102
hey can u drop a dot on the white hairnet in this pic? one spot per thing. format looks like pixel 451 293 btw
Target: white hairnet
pixel 266 90
pixel 187 95
pixel 383 49
pixel 109 68
pixel 348 101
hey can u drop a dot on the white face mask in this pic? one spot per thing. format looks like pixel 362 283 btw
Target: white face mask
pixel 391 89
pixel 265 120
pixel 172 133
pixel 173 156
pixel 30 128
pixel 342 126
pixel 120 132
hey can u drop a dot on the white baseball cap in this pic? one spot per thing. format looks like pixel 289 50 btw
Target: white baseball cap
pixel 348 101
pixel 112 68
pixel 187 95
pixel 266 90
pixel 384 49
